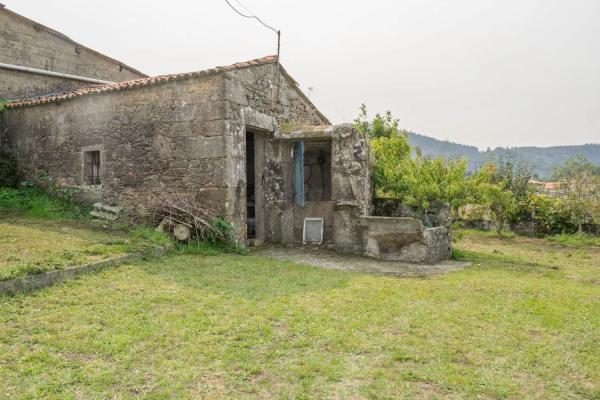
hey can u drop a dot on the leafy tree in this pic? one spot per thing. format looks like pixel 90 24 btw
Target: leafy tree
pixel 515 174
pixel 580 186
pixel 418 181
pixel 437 181
pixel 391 171
pixel 489 188
pixel 551 214
pixel 382 126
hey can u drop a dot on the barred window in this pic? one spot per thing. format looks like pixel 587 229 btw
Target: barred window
pixel 92 167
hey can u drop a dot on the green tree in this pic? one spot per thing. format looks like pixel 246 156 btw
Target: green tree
pixel 385 126
pixel 417 181
pixel 580 189
pixel 489 187
pixel 436 181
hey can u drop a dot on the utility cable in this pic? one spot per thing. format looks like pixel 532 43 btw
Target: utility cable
pixel 251 16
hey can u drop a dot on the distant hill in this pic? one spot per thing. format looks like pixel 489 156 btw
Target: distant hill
pixel 544 159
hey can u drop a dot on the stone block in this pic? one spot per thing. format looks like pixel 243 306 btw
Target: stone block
pixel 206 147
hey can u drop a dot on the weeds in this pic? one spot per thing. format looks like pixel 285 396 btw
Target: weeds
pixel 34 202
pixel 575 240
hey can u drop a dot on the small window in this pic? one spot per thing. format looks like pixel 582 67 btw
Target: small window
pixel 92 167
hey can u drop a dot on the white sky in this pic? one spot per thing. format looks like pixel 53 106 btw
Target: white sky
pixel 480 72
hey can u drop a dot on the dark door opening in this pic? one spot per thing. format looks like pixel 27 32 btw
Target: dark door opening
pixel 250 187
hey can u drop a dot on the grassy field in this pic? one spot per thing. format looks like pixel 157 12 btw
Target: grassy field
pixel 523 323
pixel 33 245
pixel 40 233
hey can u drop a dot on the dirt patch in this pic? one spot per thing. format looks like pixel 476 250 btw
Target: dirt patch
pixel 323 257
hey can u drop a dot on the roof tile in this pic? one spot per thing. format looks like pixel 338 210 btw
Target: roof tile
pixel 119 86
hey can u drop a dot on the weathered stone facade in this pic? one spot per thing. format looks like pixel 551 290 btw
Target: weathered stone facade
pixel 221 135
pixel 185 133
pixel 27 43
pixel 437 214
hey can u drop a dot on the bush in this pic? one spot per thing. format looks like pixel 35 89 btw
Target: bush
pixel 9 170
pixel 551 214
pixel 575 240
pixel 35 202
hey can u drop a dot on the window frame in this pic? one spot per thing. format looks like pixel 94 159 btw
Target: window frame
pixel 84 166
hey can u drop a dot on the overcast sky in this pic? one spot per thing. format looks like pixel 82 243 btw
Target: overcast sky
pixel 480 72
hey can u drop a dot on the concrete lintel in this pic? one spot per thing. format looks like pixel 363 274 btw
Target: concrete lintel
pixel 322 132
pixel 258 120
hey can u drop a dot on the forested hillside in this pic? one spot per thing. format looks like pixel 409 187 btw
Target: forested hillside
pixel 544 159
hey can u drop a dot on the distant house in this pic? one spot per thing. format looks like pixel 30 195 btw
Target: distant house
pixel 549 188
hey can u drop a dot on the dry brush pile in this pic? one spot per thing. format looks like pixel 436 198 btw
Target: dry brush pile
pixel 189 217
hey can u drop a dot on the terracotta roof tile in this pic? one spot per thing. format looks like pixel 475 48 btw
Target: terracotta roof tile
pixel 119 86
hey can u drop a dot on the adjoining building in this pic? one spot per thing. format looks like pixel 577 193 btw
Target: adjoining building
pixel 37 60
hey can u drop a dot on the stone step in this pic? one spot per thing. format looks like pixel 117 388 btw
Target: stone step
pixel 103 215
pixel 100 207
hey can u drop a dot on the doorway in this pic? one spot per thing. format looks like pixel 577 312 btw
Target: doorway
pixel 250 187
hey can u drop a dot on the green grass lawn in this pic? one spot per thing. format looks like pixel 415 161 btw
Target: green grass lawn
pixel 34 245
pixel 523 322
pixel 29 246
pixel 40 233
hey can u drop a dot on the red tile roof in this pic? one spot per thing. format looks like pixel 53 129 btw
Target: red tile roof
pixel 119 86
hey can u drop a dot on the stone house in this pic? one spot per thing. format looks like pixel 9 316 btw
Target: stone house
pixel 243 138
pixel 215 133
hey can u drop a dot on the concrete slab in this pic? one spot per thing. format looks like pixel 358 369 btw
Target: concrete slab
pixel 323 257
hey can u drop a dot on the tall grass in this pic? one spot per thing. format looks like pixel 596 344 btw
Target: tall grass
pixel 575 240
pixel 34 202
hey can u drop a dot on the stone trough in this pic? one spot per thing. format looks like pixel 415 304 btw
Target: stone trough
pixel 405 239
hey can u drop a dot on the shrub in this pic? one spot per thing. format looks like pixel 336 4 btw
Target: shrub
pixel 416 181
pixel 9 170
pixel 35 202
pixel 222 231
pixel 551 214
pixel 575 240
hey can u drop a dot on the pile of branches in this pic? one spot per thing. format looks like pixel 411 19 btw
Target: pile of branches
pixel 202 219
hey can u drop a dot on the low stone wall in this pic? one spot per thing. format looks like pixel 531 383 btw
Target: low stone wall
pixel 439 244
pixel 405 239
pixel 33 282
pixel 437 215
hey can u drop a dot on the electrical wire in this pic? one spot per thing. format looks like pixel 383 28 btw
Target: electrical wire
pixel 239 3
pixel 251 15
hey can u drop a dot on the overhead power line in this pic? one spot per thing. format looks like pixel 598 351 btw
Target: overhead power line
pixel 251 15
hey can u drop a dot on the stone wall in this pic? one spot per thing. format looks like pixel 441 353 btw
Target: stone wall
pixel 437 215
pixel 263 98
pixel 405 239
pixel 25 43
pixel 439 244
pixel 186 135
pixel 351 187
pixel 153 140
